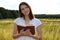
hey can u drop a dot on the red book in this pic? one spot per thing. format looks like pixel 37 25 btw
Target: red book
pixel 32 28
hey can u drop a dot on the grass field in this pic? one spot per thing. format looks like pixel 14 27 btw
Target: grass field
pixel 50 29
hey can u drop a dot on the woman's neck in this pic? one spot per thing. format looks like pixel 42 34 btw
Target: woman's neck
pixel 27 19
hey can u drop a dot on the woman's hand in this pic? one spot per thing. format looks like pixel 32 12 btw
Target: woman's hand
pixel 27 32
pixel 22 32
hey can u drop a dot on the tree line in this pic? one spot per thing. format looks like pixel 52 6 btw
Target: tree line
pixel 5 13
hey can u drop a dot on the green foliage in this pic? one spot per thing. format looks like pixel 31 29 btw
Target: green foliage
pixel 5 13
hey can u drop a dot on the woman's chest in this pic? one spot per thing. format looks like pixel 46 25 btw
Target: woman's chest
pixel 23 23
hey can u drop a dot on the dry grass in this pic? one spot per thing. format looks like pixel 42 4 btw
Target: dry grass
pixel 50 29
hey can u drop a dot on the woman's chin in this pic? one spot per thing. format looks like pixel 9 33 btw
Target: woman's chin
pixel 26 14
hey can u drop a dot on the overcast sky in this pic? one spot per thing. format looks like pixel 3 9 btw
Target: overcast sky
pixel 38 6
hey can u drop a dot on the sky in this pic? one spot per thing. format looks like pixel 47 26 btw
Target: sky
pixel 38 6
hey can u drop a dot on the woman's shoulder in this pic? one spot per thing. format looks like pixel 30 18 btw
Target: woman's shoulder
pixel 17 19
pixel 37 21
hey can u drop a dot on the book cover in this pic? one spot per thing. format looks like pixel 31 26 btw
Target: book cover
pixel 32 28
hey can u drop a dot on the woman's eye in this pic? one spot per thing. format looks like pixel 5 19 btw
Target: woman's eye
pixel 26 7
pixel 22 9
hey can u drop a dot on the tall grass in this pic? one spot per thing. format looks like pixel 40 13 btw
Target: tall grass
pixel 50 29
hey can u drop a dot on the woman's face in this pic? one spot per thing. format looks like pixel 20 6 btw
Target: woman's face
pixel 25 10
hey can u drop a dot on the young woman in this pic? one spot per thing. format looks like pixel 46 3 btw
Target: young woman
pixel 26 19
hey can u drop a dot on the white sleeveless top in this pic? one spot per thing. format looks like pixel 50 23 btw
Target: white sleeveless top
pixel 20 21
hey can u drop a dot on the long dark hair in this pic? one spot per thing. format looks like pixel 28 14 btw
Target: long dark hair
pixel 21 14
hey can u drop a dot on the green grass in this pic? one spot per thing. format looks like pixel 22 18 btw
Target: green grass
pixel 50 29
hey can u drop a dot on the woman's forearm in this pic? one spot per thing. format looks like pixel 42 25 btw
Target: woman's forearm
pixel 16 35
pixel 40 36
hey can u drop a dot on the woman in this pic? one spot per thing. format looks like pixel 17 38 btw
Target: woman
pixel 26 19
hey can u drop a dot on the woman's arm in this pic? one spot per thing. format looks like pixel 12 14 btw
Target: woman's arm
pixel 15 32
pixel 39 32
